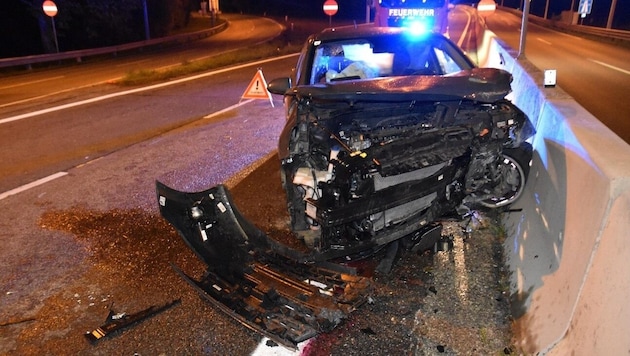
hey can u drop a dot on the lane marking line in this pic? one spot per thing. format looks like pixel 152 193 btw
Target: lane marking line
pixel 32 184
pixel 229 108
pixel 465 30
pixel 31 82
pixel 543 41
pixel 51 177
pixel 138 90
pixel 610 66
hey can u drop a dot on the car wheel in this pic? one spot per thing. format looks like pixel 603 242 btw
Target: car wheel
pixel 516 162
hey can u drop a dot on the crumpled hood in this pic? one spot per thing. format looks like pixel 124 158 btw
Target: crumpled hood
pixel 480 84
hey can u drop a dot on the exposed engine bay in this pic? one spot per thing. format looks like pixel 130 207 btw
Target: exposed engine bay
pixel 362 175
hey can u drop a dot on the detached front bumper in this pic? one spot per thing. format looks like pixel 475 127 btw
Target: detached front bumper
pixel 250 279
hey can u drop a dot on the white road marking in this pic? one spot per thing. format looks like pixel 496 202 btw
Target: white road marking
pixel 133 91
pixel 576 38
pixel 229 108
pixel 32 184
pixel 543 41
pixel 134 62
pixel 610 66
pixel 463 36
pixel 46 95
pixel 61 174
pixel 31 82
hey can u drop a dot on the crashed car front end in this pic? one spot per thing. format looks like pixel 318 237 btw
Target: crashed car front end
pixel 368 162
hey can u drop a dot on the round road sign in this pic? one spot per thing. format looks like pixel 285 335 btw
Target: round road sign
pixel 50 8
pixel 330 7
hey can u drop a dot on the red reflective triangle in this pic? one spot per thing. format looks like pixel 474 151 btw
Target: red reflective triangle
pixel 257 88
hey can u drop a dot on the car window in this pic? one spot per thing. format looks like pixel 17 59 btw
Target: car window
pixel 383 57
pixel 445 62
pixel 347 60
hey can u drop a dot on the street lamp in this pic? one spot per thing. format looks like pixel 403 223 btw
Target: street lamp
pixel 611 14
pixel 147 34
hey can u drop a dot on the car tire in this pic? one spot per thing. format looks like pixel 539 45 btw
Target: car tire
pixel 518 159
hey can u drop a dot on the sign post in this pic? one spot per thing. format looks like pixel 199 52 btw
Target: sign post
pixel 50 9
pixel 330 9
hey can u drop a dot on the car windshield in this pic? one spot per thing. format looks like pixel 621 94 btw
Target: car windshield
pixel 385 56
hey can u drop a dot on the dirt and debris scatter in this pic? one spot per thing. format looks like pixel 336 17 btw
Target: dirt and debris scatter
pixel 129 270
pixel 443 303
pixel 434 303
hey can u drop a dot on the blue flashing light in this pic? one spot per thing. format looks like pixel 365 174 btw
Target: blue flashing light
pixel 418 28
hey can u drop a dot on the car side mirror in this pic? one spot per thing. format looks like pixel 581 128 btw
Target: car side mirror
pixel 279 86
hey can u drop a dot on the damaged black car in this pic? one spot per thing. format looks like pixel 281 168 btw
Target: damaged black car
pixel 386 132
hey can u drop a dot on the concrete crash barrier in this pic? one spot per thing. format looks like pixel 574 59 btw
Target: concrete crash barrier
pixel 568 236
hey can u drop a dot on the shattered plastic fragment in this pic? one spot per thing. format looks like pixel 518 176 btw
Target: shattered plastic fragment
pixel 118 321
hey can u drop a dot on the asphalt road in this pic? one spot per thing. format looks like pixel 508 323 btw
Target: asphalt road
pixel 38 146
pixel 92 236
pixel 48 127
pixel 55 82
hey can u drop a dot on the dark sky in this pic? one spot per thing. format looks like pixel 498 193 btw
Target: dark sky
pixel 19 30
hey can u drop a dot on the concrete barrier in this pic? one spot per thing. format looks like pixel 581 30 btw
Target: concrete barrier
pixel 568 237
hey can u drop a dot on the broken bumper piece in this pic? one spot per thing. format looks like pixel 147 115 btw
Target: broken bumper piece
pixel 248 279
pixel 115 322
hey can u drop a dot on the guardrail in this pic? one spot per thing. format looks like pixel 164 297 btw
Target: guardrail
pixel 78 55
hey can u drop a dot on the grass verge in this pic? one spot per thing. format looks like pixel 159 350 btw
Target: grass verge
pixel 148 76
pixel 291 41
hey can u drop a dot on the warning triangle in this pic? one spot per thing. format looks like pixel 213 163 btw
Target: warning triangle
pixel 257 88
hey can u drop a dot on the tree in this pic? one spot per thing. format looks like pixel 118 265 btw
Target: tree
pixel 19 30
pixel 83 24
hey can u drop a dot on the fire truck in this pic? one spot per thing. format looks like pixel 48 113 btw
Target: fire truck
pixel 421 15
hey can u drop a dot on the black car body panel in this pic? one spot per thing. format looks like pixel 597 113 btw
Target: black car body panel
pixel 254 279
pixel 485 85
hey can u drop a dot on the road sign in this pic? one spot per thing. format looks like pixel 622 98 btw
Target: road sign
pixel 330 7
pixel 50 8
pixel 585 7
pixel 257 88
